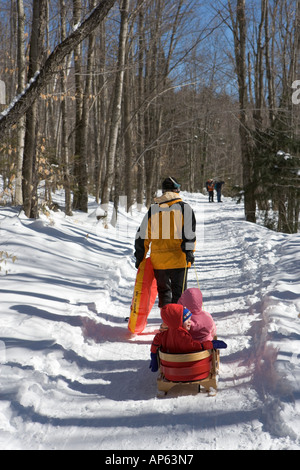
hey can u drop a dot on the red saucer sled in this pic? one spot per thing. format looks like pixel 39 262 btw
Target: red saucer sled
pixel 144 295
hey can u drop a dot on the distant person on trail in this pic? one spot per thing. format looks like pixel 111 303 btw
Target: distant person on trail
pixel 177 338
pixel 218 188
pixel 170 228
pixel 203 327
pixel 210 189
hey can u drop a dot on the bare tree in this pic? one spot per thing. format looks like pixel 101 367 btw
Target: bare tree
pixel 140 99
pixel 18 107
pixel 79 180
pixel 239 29
pixel 30 199
pixel 21 85
pixel 116 106
pixel 64 119
pixel 101 92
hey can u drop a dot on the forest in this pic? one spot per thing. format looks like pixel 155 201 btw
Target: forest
pixel 105 98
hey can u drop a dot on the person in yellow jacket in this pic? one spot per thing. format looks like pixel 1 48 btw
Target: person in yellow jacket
pixel 170 228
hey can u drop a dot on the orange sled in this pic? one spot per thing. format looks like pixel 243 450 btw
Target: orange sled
pixel 200 368
pixel 144 295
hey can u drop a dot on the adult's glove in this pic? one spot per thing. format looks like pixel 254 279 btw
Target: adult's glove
pixel 154 363
pixel 190 257
pixel 214 344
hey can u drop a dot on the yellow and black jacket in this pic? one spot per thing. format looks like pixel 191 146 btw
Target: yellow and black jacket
pixel 170 228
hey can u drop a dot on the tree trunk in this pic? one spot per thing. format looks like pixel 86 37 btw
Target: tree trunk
pixel 78 179
pixel 239 31
pixel 82 116
pixel 30 197
pixel 269 58
pixel 127 140
pixel 64 119
pixel 151 115
pixel 102 100
pixel 140 100
pixel 116 108
pixel 21 85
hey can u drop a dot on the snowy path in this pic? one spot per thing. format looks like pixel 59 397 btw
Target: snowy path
pixel 75 378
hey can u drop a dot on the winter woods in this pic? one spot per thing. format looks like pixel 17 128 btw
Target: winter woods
pixel 105 97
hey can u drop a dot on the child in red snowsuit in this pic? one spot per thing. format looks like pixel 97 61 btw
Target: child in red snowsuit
pixel 177 338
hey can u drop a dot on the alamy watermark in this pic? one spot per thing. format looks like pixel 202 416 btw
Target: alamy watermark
pixel 166 223
pixel 296 94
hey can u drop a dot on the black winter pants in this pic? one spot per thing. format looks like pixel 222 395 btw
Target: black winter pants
pixel 170 285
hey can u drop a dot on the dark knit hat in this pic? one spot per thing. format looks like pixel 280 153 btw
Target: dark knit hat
pixel 170 184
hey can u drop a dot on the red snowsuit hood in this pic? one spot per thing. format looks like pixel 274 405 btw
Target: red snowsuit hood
pixel 172 315
pixel 175 339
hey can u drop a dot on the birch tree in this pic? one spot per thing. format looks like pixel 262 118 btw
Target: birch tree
pixel 21 85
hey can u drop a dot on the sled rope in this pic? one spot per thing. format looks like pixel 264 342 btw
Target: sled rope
pixel 184 278
pixel 197 276
pixel 198 283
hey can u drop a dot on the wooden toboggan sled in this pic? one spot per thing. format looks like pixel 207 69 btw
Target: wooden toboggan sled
pixel 198 368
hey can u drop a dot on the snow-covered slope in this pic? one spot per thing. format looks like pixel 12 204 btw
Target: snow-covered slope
pixel 73 377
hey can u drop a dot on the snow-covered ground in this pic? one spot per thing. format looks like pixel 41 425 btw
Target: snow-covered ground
pixel 73 377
